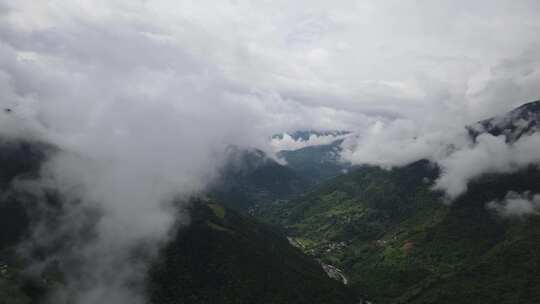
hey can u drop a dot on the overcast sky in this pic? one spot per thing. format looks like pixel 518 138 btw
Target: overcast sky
pixel 295 64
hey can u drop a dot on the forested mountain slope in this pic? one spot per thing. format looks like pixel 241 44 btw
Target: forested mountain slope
pixel 250 177
pixel 224 257
pixel 220 257
pixel 399 241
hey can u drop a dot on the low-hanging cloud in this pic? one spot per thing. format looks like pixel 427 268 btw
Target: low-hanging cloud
pixel 399 142
pixel 460 158
pixel 516 205
pixel 489 154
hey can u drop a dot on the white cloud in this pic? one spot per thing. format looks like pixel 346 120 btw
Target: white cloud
pixel 516 205
pixel 399 142
pixel 489 155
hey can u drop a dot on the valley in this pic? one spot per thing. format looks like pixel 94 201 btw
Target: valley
pixel 398 241
pixel 266 233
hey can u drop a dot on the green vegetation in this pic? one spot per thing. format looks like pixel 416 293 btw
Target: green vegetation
pixel 221 257
pixel 395 239
pixel 398 242
pixel 234 259
pixel 316 163
pixel 218 210
pixel 11 291
pixel 252 177
pixel 20 287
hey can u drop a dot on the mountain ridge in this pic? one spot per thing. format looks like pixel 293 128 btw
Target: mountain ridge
pixel 520 121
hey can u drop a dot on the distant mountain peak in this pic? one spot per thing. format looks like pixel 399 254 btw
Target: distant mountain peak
pixel 523 120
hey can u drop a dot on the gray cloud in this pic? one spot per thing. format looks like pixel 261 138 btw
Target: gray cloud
pixel 400 142
pixel 510 82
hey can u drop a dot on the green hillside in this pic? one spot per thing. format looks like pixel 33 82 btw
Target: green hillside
pixel 316 163
pixel 223 257
pixel 397 241
pixel 251 177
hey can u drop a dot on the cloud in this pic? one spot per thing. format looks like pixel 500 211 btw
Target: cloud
pixel 399 142
pixel 287 142
pixel 489 155
pixel 516 205
pixel 508 83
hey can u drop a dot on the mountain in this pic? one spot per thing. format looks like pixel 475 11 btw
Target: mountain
pixel 221 257
pixel 224 257
pixel 306 134
pixel 514 124
pixel 386 234
pixel 250 177
pixel 346 221
pixel 19 160
pixel 316 163
pixel 396 240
